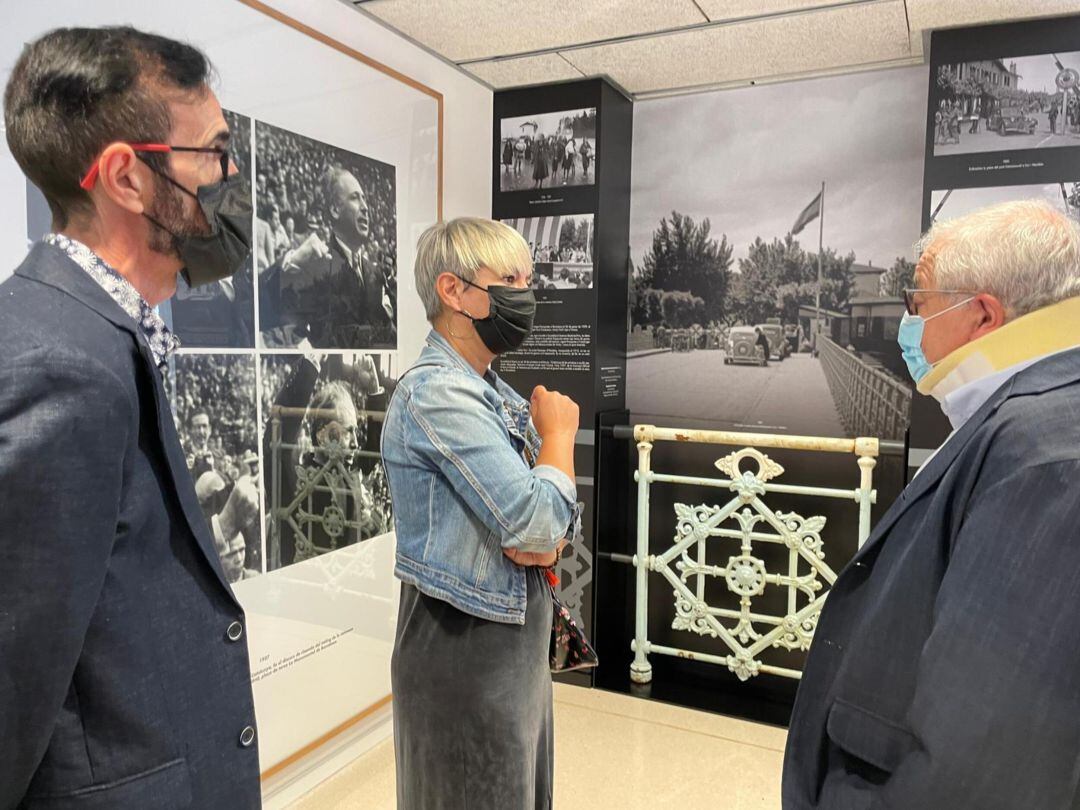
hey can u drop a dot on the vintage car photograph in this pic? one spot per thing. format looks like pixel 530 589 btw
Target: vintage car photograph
pixel 1006 120
pixel 742 347
pixel 778 344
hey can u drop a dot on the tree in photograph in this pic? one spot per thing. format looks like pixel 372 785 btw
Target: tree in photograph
pixel 682 310
pixel 897 278
pixel 639 303
pixel 685 257
pixel 777 278
pixel 838 280
pixel 770 281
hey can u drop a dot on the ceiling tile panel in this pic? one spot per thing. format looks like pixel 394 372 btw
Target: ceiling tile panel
pixel 526 70
pixel 719 10
pixel 929 14
pixel 473 29
pixel 795 44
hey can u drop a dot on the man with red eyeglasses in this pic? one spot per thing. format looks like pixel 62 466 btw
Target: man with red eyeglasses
pixel 124 676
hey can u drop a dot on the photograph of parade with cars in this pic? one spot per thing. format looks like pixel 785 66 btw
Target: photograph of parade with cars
pixel 1025 102
pixel 783 285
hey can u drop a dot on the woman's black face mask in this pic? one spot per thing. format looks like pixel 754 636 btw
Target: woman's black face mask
pixel 510 318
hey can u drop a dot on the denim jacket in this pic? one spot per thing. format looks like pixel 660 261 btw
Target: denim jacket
pixel 454 445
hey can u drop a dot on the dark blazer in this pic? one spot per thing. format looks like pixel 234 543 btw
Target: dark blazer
pixel 945 671
pixel 124 678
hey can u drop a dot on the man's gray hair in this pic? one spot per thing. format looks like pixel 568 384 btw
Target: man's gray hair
pixel 1025 253
pixel 462 246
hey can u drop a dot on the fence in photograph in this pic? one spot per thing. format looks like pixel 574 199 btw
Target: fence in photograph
pixel 869 401
pixel 316 528
pixel 745 524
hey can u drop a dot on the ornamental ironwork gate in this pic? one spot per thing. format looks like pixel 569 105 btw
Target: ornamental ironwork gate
pixel 745 523
pixel 331 506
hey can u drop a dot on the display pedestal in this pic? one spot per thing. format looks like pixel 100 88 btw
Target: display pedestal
pixel 562 179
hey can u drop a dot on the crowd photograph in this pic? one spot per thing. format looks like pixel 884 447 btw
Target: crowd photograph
pixel 548 150
pixel 213 398
pixel 325 244
pixel 561 248
pixel 322 420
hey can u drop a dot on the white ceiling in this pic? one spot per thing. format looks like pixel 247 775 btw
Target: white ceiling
pixel 658 47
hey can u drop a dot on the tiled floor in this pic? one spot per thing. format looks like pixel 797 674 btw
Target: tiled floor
pixel 614 751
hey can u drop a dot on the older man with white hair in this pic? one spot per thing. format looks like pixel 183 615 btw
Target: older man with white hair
pixel 945 671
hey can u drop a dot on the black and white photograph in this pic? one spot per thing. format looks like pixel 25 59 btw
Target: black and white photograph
pixel 729 328
pixel 322 421
pixel 951 203
pixel 213 400
pixel 561 248
pixel 548 150
pixel 325 244
pixel 219 315
pixel 1022 102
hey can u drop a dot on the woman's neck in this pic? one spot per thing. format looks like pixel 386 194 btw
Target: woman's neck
pixel 463 339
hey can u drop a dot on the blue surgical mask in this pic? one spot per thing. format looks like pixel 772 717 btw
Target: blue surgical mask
pixel 910 339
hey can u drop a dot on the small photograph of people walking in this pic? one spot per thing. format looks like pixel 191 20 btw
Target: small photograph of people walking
pixel 989 105
pixel 548 150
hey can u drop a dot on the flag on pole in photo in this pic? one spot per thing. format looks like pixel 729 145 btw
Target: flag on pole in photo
pixel 808 215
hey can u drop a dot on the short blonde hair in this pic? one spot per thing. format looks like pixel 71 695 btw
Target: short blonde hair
pixel 1026 253
pixel 462 246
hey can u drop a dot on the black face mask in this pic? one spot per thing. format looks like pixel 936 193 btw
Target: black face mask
pixel 510 319
pixel 219 254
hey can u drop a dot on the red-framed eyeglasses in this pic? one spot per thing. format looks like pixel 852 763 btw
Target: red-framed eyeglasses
pixel 90 177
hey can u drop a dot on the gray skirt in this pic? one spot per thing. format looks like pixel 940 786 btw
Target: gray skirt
pixel 473 726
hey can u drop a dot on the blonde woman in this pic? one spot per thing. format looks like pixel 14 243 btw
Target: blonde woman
pixel 484 499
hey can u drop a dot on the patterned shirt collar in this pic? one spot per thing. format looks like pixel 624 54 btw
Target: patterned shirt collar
pixel 162 342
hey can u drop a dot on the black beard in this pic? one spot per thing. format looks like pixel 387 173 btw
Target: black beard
pixel 167 211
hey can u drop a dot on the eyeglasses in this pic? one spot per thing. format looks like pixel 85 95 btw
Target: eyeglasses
pixel 909 297
pixel 91 176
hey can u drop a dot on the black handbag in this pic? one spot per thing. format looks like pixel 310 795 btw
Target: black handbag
pixel 569 649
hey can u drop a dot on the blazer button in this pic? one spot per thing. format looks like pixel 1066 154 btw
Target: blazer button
pixel 235 631
pixel 247 737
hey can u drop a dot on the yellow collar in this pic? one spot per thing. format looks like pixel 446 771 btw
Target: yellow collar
pixel 1045 331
